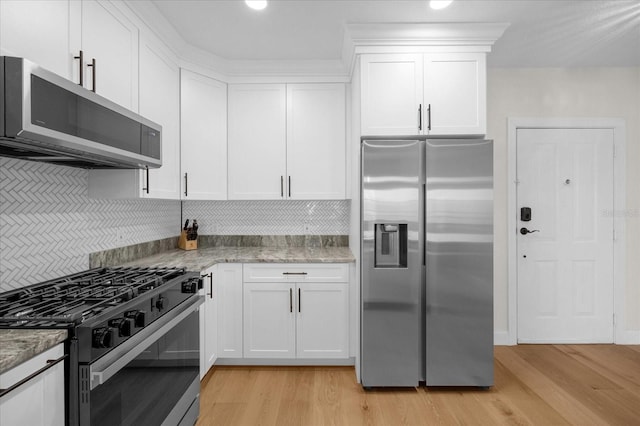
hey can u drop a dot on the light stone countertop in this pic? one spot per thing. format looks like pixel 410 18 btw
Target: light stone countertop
pixel 18 346
pixel 201 259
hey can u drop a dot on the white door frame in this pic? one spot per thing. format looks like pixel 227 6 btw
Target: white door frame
pixel 619 214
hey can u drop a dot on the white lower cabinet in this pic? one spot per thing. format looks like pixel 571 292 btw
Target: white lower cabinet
pixel 229 284
pixel 296 311
pixel 39 401
pixel 209 320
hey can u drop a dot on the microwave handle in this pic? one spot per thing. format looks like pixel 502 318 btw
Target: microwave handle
pixel 106 367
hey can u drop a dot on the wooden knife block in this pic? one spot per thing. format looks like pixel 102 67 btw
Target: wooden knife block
pixel 185 244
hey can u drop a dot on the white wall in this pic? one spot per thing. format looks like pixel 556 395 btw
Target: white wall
pixel 570 92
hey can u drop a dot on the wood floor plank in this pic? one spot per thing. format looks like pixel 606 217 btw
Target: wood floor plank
pixel 534 385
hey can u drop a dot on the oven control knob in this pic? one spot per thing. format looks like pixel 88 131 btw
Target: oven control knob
pixel 138 318
pixel 124 326
pixel 160 303
pixel 102 337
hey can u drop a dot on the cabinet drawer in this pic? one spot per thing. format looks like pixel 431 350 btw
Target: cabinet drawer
pixel 296 272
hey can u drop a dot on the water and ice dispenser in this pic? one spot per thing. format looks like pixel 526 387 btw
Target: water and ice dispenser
pixel 391 245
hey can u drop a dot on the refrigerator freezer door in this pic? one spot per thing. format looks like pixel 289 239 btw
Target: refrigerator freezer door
pixel 391 334
pixel 459 263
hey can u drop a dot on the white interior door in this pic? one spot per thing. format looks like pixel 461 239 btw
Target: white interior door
pixel 565 265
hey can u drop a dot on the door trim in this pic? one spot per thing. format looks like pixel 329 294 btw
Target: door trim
pixel 621 336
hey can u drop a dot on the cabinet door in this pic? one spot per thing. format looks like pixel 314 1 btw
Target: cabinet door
pixel 112 40
pixel 40 401
pixel 209 321
pixel 160 102
pixel 316 141
pixel 229 285
pixel 392 88
pixel 257 141
pixel 322 320
pixel 269 320
pixel 42 32
pixel 455 89
pixel 203 118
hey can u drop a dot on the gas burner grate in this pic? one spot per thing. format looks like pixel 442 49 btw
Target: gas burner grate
pixel 76 297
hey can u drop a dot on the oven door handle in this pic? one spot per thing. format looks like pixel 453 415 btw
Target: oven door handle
pixel 107 366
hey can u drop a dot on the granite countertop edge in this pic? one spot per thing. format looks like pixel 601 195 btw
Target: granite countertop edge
pixel 18 346
pixel 201 259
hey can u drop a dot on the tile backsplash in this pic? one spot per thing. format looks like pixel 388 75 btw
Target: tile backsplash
pixel 48 224
pixel 276 217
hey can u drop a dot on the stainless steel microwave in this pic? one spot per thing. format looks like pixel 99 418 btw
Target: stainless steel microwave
pixel 45 117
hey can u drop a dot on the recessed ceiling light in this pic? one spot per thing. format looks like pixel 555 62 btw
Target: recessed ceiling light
pixel 256 4
pixel 439 4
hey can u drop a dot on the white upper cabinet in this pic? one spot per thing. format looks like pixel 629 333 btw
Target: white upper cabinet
pixel 257 141
pixel 316 141
pixel 424 94
pixel 286 141
pixel 40 32
pixel 52 33
pixel 391 94
pixel 159 102
pixel 455 88
pixel 203 118
pixel 111 40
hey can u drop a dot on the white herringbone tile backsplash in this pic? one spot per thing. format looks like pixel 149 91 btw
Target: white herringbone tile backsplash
pixel 48 224
pixel 277 217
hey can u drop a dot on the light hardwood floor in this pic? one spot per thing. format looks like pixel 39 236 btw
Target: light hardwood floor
pixel 534 385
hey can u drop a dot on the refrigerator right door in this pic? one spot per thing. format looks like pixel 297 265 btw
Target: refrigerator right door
pixel 459 262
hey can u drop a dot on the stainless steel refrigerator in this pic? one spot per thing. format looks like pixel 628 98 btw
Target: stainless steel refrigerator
pixel 427 262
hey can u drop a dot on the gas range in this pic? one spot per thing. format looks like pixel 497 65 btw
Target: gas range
pixel 127 326
pixel 104 305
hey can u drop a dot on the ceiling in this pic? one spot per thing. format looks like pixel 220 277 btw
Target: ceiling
pixel 542 33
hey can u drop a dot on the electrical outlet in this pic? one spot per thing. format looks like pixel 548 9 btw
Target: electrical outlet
pixel 213 228
pixel 119 234
pixel 306 227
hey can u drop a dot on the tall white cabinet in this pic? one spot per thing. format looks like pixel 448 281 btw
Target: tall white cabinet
pixel 423 94
pixel 203 137
pixel 286 141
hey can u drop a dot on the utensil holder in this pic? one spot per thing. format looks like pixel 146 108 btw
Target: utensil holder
pixel 185 244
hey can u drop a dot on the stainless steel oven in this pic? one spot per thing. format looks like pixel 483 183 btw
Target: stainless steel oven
pixel 133 355
pixel 152 380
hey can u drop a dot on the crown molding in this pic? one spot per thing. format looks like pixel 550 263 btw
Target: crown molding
pixel 422 37
pixel 357 39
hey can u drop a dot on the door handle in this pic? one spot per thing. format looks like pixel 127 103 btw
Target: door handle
pixel 525 231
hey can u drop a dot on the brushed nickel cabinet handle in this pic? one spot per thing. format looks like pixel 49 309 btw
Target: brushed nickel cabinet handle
pixel 80 57
pixel 290 300
pixel 299 299
pixel 146 189
pixel 93 74
pixel 186 184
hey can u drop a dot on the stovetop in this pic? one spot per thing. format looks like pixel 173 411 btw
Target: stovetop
pixel 76 298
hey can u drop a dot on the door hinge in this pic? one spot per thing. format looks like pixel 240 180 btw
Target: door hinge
pixel 614 150
pixel 614 319
pixel 615 238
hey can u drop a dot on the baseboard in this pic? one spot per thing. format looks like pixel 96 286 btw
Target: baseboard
pixel 501 338
pixel 627 337
pixel 285 361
